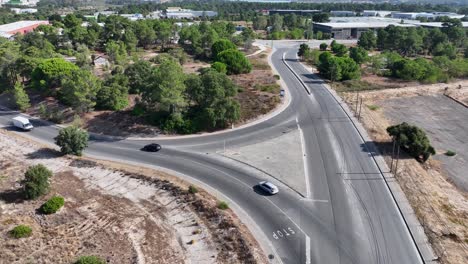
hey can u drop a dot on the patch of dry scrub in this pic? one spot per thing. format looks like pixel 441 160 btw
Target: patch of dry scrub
pixel 441 208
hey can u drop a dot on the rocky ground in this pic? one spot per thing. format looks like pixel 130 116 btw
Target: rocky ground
pixel 118 212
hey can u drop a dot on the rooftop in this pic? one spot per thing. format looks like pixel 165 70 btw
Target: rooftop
pixel 21 24
pixel 364 25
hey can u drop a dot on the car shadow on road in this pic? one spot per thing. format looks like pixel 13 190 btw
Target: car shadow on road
pixel 260 191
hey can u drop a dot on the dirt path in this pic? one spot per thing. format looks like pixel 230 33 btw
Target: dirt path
pixel 122 214
pixel 441 207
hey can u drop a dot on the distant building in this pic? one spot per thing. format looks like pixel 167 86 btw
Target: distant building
pixel 133 17
pixel 20 27
pixel 430 16
pixel 179 13
pixel 287 11
pixel 352 30
pixel 376 13
pixel 342 13
pixel 19 2
pixel 24 10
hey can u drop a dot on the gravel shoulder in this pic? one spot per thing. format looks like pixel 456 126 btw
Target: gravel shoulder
pixel 119 212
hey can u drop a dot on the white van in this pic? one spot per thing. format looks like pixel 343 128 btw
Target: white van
pixel 22 123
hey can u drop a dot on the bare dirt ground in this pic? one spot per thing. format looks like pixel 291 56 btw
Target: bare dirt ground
pixel 259 92
pixel 121 213
pixel 441 207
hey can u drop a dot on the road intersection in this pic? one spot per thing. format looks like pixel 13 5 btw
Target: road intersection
pixel 347 214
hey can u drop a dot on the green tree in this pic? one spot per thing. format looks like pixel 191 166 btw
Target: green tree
pixel 50 72
pixel 72 140
pixel 21 97
pixel 220 46
pixel 260 22
pixel 445 49
pixel 166 90
pixel 358 54
pixel 235 61
pixel 83 57
pixel 213 94
pixel 36 181
pixel 340 50
pixel 145 32
pixel 117 52
pixel 408 70
pixel 114 93
pixel 79 90
pixel 368 40
pixel 413 140
pixel 303 49
pixel 276 22
pixel 139 75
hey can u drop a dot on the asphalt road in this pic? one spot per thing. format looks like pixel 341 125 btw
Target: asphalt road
pixel 347 216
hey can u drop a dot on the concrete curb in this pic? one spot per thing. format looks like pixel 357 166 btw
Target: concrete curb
pixel 409 219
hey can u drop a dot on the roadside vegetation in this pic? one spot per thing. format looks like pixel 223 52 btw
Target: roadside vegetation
pixel 407 54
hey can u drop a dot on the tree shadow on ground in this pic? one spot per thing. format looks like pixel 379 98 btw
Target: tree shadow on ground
pixel 12 196
pixel 383 148
pixel 44 153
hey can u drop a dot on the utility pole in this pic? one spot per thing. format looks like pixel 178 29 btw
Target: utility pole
pixel 393 154
pixel 360 108
pixel 398 159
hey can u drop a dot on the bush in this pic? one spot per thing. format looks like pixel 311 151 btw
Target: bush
pixel 52 205
pixel 192 189
pixel 450 153
pixel 21 231
pixel 219 67
pixel 36 181
pixel 373 107
pixel 21 97
pixel 72 140
pixel 223 205
pixel 90 260
pixel 323 46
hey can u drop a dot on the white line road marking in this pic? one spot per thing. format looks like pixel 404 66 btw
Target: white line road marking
pixel 307 248
pixel 304 160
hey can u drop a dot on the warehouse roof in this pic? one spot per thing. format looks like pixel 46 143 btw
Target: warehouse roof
pixel 363 25
pixel 21 24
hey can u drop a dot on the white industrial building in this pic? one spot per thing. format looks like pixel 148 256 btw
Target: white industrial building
pixel 430 16
pixel 376 13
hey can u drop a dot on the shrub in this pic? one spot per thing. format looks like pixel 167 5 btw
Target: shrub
pixel 323 46
pixel 450 153
pixel 72 140
pixel 90 260
pixel 223 205
pixel 21 97
pixel 373 107
pixel 192 189
pixel 52 205
pixel 36 182
pixel 219 67
pixel 21 231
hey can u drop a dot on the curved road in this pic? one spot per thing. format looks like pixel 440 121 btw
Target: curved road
pixel 348 214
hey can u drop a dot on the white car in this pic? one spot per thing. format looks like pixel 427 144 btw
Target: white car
pixel 268 187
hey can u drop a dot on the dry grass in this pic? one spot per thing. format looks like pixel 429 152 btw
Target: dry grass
pixel 441 208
